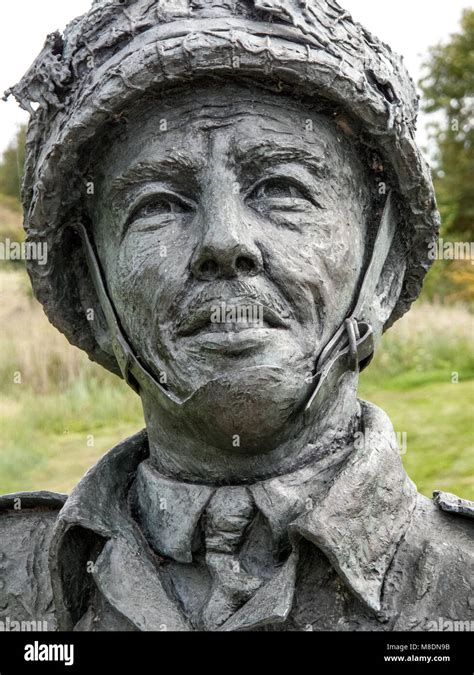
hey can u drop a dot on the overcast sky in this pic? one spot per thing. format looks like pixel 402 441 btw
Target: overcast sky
pixel 410 27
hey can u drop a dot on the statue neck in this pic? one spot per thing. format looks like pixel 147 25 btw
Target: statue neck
pixel 327 439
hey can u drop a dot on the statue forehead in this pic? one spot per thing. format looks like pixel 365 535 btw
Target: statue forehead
pixel 235 122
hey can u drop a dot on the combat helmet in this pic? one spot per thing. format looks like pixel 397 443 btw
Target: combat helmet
pixel 82 80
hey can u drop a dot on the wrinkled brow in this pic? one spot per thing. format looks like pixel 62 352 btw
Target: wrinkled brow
pixel 174 166
pixel 247 157
pixel 269 152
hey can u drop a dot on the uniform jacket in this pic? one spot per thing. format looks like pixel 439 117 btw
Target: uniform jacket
pixel 365 552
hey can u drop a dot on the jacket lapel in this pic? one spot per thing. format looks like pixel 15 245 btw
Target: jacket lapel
pixel 360 522
pixel 124 570
pixel 133 586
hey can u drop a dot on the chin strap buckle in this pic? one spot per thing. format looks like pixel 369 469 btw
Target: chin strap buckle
pixel 353 334
pixel 353 347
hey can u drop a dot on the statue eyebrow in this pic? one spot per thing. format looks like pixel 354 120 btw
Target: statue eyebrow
pixel 268 152
pixel 173 166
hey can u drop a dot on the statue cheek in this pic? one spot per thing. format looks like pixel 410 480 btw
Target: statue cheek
pixel 338 255
pixel 143 277
pixel 157 248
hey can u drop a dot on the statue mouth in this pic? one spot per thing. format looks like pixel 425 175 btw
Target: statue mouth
pixel 247 339
pixel 233 320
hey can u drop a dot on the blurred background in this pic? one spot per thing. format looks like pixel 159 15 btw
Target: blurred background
pixel 59 412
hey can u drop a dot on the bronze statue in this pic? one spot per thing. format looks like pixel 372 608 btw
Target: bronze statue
pixel 235 209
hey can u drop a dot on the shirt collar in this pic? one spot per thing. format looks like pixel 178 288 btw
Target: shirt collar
pixel 357 521
pixel 170 510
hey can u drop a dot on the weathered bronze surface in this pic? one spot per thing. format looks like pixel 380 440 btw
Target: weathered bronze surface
pixel 235 209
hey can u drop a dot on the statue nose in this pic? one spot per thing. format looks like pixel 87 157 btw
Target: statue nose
pixel 227 247
pixel 225 257
pixel 213 263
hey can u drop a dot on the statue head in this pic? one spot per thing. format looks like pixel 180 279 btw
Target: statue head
pixel 235 191
pixel 232 243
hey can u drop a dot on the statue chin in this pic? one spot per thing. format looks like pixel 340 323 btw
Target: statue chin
pixel 247 411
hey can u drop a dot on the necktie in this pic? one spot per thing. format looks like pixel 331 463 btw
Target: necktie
pixel 226 521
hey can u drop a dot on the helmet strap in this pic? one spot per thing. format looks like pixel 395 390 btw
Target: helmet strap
pixel 353 344
pixel 133 372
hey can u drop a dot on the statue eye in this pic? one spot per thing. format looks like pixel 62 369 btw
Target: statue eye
pixel 160 205
pixel 284 200
pixel 277 188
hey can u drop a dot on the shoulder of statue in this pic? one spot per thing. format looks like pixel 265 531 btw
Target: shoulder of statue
pixel 27 521
pixel 450 503
pixel 37 502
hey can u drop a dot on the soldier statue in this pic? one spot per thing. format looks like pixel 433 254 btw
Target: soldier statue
pixel 235 209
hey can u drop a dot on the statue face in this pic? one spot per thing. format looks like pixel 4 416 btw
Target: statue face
pixel 231 225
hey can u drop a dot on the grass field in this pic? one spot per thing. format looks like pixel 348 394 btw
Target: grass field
pixel 59 412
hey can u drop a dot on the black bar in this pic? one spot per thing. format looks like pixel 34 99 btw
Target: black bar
pixel 314 652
